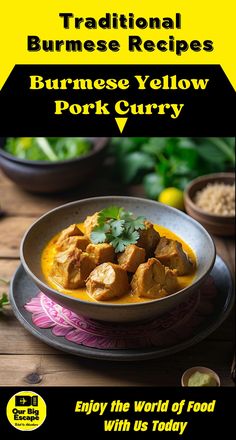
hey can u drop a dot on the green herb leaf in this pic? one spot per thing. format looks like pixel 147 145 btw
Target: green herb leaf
pixel 139 223
pixel 135 224
pixel 120 243
pixel 126 215
pixel 117 227
pixel 4 301
pixel 98 234
pixel 112 212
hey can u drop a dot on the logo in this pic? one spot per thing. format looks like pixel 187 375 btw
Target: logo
pixel 26 411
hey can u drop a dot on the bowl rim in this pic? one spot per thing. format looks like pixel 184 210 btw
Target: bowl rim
pixel 104 304
pixel 214 177
pixel 44 163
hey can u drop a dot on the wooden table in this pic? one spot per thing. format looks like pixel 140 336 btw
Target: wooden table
pixel 25 360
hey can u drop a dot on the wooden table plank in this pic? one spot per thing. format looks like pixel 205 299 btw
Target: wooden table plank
pixel 8 267
pixel 12 230
pixel 15 201
pixel 67 370
pixel 225 247
pixel 15 339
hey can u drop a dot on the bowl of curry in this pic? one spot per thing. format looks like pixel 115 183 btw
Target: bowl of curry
pixel 118 259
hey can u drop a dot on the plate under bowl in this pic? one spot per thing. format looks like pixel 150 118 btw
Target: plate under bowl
pixel 23 290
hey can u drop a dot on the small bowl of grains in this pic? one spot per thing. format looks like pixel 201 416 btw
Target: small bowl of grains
pixel 210 200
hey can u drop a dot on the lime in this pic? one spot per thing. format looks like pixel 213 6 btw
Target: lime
pixel 173 197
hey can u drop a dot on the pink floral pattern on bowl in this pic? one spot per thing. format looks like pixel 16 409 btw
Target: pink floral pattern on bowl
pixel 171 328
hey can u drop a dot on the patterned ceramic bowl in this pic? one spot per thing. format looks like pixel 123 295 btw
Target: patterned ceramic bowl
pixel 54 221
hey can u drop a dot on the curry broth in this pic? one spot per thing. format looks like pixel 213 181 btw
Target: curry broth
pixel 81 293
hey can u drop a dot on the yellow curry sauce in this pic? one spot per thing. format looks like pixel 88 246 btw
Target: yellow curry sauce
pixel 81 293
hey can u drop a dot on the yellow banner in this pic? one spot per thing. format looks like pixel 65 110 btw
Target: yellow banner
pixel 124 32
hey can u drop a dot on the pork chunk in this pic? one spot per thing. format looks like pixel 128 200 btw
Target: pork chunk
pixel 107 281
pixel 171 281
pixel 78 241
pixel 153 280
pixel 72 267
pixel 90 222
pixel 148 239
pixel 71 231
pixel 170 253
pixel 131 258
pixel 102 252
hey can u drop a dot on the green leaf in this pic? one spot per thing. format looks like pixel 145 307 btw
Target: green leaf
pixel 120 243
pixel 133 164
pixel 123 146
pixel 135 224
pixel 117 227
pixel 211 154
pixel 4 301
pixel 98 235
pixel 171 147
pixel 133 237
pixel 216 150
pixel 70 147
pixel 179 166
pixel 112 212
pixel 126 215
pixel 223 146
pixel 154 146
pixel 190 156
pixel 180 182
pixel 153 185
pixel 230 141
pixel 163 167
pixel 45 147
pixel 186 143
pixel 138 223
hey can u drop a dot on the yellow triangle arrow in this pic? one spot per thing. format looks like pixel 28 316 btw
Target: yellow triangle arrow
pixel 121 123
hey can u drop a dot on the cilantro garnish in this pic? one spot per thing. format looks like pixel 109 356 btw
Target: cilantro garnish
pixel 99 234
pixel 117 227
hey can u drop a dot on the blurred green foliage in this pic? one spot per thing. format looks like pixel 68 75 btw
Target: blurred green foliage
pixel 161 162
pixel 49 149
